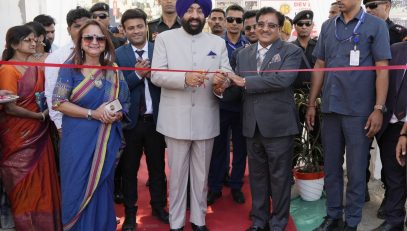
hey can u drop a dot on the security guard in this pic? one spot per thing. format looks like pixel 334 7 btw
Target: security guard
pixel 381 9
pixel 168 20
pixel 303 24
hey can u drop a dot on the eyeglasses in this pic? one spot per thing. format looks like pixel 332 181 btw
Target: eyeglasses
pixel 249 28
pixel 91 38
pixel 374 5
pixel 233 19
pixel 101 16
pixel 270 25
pixel 301 24
pixel 30 40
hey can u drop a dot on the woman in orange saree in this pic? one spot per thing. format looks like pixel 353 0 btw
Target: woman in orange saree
pixel 27 164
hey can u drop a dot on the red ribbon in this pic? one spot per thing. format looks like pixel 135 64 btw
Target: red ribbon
pixel 368 68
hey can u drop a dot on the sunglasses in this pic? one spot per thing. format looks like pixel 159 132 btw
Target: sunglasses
pixel 374 5
pixel 263 25
pixel 91 38
pixel 307 24
pixel 233 19
pixel 249 28
pixel 101 16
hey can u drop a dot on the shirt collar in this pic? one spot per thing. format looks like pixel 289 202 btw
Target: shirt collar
pixel 259 46
pixel 357 16
pixel 145 48
pixel 242 39
pixel 178 21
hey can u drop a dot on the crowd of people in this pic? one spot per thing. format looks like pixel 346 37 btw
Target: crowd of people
pixel 72 142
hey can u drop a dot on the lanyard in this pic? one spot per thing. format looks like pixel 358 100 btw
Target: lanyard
pixel 354 34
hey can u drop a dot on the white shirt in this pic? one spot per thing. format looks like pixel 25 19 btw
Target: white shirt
pixel 149 101
pixel 51 75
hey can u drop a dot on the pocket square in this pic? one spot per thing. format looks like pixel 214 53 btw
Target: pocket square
pixel 276 58
pixel 211 53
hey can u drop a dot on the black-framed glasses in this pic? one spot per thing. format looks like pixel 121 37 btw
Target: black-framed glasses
pixel 101 16
pixel 90 38
pixel 301 24
pixel 270 25
pixel 234 19
pixel 249 28
pixel 374 5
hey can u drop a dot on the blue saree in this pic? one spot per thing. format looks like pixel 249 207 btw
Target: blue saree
pixel 89 150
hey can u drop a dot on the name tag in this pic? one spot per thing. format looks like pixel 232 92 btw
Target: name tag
pixel 354 58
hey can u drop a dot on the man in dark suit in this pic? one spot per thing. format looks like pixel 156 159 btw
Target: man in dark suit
pixel 393 121
pixel 140 134
pixel 270 120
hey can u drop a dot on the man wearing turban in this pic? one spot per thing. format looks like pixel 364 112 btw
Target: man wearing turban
pixel 189 111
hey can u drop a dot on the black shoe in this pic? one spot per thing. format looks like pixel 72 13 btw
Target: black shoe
pixel 180 229
pixel 255 228
pixel 129 222
pixel 161 214
pixel 212 196
pixel 367 196
pixel 380 212
pixel 348 228
pixel 118 198
pixel 199 228
pixel 389 227
pixel 329 224
pixel 238 196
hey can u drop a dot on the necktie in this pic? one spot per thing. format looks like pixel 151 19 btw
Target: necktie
pixel 401 101
pixel 260 58
pixel 142 104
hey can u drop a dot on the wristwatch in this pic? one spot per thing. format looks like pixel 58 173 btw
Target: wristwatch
pixel 89 116
pixel 382 108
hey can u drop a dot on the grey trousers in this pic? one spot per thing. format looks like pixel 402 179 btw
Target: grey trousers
pixel 191 157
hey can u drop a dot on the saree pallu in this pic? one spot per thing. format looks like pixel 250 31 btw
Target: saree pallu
pixel 88 151
pixel 28 168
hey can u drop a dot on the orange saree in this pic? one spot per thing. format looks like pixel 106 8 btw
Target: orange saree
pixel 27 164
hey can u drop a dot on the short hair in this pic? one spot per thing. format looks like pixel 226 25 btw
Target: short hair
pixel 289 19
pixel 271 10
pixel 249 14
pixel 133 13
pixel 38 28
pixel 75 14
pixel 234 7
pixel 106 58
pixel 44 19
pixel 218 10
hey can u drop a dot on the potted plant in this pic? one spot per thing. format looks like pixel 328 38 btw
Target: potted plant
pixel 308 151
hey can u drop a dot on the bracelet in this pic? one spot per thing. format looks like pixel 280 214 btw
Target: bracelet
pixel 43 116
pixel 403 134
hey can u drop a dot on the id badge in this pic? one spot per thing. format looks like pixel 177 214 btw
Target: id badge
pixel 114 106
pixel 354 58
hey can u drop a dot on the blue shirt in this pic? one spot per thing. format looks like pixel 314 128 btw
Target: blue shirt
pixel 351 92
pixel 232 47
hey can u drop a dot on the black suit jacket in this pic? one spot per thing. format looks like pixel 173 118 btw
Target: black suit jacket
pixel 399 54
pixel 125 57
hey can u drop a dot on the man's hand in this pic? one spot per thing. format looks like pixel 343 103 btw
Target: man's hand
pixel 143 63
pixel 195 79
pixel 310 117
pixel 401 149
pixel 237 80
pixel 374 123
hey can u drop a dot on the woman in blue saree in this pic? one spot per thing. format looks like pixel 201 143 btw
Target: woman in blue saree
pixel 91 134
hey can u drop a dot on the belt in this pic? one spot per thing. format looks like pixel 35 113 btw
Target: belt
pixel 146 118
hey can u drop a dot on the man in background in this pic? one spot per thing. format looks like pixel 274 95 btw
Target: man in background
pixel 49 24
pixel 217 21
pixel 168 20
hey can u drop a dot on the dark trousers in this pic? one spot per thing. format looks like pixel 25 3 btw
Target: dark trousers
pixel 270 174
pixel 394 174
pixel 144 137
pixel 338 132
pixel 229 121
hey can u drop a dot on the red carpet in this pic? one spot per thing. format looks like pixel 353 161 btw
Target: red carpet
pixel 224 215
